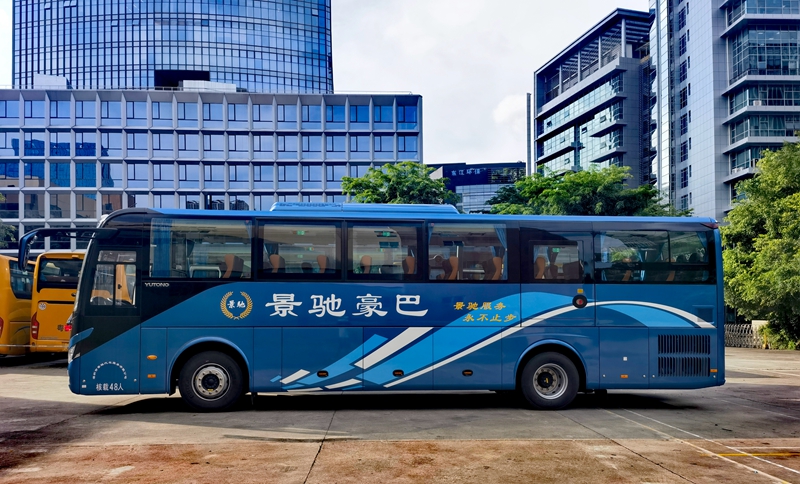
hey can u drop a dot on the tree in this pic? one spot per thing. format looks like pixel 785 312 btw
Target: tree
pixel 6 231
pixel 406 182
pixel 587 192
pixel 762 242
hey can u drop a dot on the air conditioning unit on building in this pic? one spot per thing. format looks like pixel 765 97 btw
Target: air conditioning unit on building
pixel 757 102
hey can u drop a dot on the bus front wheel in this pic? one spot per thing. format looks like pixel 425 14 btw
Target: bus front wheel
pixel 211 381
pixel 550 381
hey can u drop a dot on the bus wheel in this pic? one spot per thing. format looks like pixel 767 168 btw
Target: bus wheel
pixel 211 381
pixel 550 381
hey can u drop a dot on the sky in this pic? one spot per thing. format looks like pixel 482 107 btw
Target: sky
pixel 471 60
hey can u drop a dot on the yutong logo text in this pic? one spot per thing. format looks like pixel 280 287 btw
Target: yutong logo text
pixel 156 284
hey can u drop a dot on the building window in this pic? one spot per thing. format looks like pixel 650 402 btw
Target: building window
pixel 334 116
pixel 287 116
pixel 684 124
pixel 188 176
pixel 60 113
pixel 334 174
pixel 59 175
pixel 263 176
pixel 110 113
pixel 237 113
pixel 60 205
pixel 359 147
pixel 163 200
pixel 86 175
pixel 406 146
pixel 684 151
pixel 312 147
pixel 9 113
pixel 212 112
pixel 311 116
pixel 190 202
pixel 287 176
pixel 137 175
pixel 163 144
pixel 239 202
pixel 9 143
pixel 34 110
pixel 213 145
pixel 188 146
pixel 85 113
pixel 163 175
pixel 682 13
pixel 162 113
pixel 684 202
pixel 262 202
pixel 383 147
pixel 136 113
pixel 312 176
pixel 238 176
pixel 187 114
pixel 111 202
pixel 262 115
pixel 239 146
pixel 34 144
pixel 263 147
pixel 682 45
pixel 111 175
pixel 684 97
pixel 137 144
pixel 359 115
pixel 335 147
pixel 287 147
pixel 59 144
pixel 85 144
pixel 383 116
pixel 684 178
pixel 683 71
pixel 214 176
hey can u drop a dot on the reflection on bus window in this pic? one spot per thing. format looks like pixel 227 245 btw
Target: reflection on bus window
pixel 468 252
pixel 557 261
pixel 200 249
pixel 21 282
pixel 652 256
pixel 310 250
pixel 114 279
pixel 383 252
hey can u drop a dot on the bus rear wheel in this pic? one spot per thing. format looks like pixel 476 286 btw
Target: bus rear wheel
pixel 211 382
pixel 549 381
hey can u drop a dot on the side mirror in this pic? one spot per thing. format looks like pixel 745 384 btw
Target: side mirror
pixel 24 250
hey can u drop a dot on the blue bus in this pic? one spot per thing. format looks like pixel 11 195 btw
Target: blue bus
pixel 311 297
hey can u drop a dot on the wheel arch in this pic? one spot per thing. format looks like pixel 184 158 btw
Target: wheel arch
pixel 207 344
pixel 556 346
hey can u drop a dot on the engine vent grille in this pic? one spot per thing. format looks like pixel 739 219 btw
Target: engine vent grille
pixel 686 366
pixel 670 344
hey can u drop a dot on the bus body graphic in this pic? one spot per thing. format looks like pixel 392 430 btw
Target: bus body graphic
pixel 348 298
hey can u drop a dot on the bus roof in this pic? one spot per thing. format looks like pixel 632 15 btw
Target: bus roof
pixel 399 211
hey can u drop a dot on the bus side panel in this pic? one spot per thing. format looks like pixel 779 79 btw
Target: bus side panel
pixel 479 369
pixel 623 358
pixel 114 368
pixel 239 339
pixel 52 314
pixel 582 339
pixel 267 359
pixel 321 358
pixel 154 376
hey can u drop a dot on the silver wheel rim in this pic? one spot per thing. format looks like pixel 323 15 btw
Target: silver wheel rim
pixel 550 381
pixel 211 382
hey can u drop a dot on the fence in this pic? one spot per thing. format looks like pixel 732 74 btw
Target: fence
pixel 742 335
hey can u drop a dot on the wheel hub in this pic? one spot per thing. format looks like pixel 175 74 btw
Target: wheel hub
pixel 550 381
pixel 211 382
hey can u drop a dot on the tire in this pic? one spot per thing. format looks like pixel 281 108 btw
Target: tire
pixel 549 381
pixel 211 382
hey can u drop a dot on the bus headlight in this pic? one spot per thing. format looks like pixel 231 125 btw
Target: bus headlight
pixel 70 353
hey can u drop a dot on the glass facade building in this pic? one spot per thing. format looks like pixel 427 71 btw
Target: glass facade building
pixel 68 157
pixel 279 46
pixel 587 99
pixel 476 183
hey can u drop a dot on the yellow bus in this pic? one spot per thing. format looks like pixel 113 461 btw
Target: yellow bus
pixel 15 306
pixel 55 282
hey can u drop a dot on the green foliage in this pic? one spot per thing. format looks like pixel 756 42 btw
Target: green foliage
pixel 778 338
pixel 588 192
pixel 406 182
pixel 762 241
pixel 6 232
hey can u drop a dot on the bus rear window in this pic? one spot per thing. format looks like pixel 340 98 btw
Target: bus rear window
pixel 200 248
pixel 58 273
pixel 21 282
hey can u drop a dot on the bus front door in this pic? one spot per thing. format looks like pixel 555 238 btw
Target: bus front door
pixel 109 325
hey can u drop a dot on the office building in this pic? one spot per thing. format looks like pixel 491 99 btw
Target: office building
pixel 68 157
pixel 477 183
pixel 278 46
pixel 588 101
pixel 729 89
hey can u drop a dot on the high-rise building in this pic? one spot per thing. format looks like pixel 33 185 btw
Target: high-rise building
pixel 278 46
pixel 587 99
pixel 728 87
pixel 475 184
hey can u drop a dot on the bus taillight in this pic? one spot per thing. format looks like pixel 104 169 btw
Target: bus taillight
pixel 2 323
pixel 34 327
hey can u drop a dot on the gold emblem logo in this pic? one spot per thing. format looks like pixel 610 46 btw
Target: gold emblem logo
pixel 228 305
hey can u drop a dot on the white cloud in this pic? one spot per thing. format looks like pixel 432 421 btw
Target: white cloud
pixel 511 113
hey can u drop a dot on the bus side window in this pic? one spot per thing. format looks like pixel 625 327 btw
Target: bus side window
pixel 383 252
pixel 468 252
pixel 114 279
pixel 557 261
pixel 299 251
